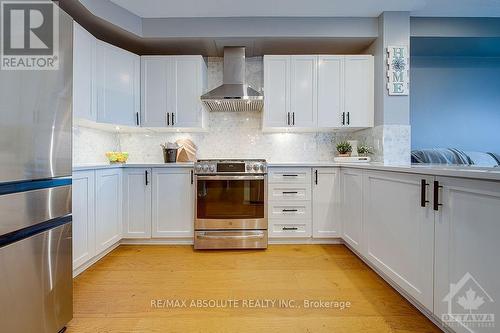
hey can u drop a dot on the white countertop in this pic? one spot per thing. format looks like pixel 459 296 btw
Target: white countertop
pixel 433 170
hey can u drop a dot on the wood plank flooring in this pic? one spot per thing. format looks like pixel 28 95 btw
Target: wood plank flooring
pixel 116 294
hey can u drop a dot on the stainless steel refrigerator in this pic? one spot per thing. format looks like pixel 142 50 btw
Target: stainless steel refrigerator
pixel 35 194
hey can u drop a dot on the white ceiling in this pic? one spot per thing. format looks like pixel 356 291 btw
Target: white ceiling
pixel 308 8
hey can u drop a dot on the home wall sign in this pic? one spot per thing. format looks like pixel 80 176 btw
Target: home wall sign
pixel 398 70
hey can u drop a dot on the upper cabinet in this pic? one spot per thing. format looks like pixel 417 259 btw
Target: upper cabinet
pixel 171 87
pixel 310 92
pixel 358 91
pixel 84 61
pixel 118 85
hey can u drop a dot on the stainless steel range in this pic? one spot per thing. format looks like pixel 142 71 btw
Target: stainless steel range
pixel 231 204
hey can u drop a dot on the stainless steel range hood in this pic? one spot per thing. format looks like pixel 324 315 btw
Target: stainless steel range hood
pixel 234 94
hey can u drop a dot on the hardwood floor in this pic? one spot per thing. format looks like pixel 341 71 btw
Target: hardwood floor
pixel 116 294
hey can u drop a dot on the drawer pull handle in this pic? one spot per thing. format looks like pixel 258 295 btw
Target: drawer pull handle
pixel 290 175
pixel 289 228
pixel 289 210
pixel 290 192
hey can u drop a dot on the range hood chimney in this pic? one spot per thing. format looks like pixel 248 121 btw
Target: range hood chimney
pixel 234 94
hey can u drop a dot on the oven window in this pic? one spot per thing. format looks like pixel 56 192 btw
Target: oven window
pixel 230 199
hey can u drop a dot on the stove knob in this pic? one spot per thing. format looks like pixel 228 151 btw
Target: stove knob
pixel 212 168
pixel 198 167
pixel 205 168
pixel 262 168
pixel 249 167
pixel 256 167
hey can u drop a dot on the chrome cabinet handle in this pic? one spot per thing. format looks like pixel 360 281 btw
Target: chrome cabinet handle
pixel 343 118
pixel 348 118
pixel 293 118
pixel 290 192
pixel 168 118
pixel 137 118
pixel 146 176
pixel 173 121
pixel 316 176
pixel 289 228
pixel 287 175
pixel 289 210
pixel 288 118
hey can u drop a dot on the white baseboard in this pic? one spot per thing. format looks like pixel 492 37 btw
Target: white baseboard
pixel 305 241
pixel 157 241
pixel 77 271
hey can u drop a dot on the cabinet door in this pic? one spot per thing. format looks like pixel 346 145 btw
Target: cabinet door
pixel 173 205
pixel 303 90
pixel 84 48
pixel 467 247
pixel 108 208
pixel 137 203
pixel 83 217
pixel 118 99
pixel 189 88
pixel 399 233
pixel 326 203
pixel 276 91
pixel 358 91
pixel 154 91
pixel 352 207
pixel 330 90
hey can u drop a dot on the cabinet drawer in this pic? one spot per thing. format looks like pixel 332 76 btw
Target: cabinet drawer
pixel 289 176
pixel 286 192
pixel 290 210
pixel 299 229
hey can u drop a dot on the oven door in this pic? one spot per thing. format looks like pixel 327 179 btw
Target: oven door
pixel 231 202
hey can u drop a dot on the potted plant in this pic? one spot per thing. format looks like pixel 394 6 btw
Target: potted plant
pixel 364 150
pixel 344 149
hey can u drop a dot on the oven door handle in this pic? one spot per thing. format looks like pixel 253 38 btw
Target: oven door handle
pixel 251 236
pixel 256 177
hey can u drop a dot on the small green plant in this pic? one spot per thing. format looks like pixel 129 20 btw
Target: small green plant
pixel 344 148
pixel 365 150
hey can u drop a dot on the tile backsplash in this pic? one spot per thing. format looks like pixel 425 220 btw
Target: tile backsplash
pixel 235 135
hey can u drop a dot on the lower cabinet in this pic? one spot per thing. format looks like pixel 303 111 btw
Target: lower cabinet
pixel 352 207
pixel 83 217
pixel 108 205
pixel 326 203
pixel 467 246
pixel 137 184
pixel 398 234
pixel 173 203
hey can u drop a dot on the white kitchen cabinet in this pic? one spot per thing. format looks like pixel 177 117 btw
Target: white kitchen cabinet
pixel 108 207
pixel 171 89
pixel 352 207
pixel 303 90
pixel 154 91
pixel 290 84
pixel 326 203
pixel 83 193
pixel 289 207
pixel 276 91
pixel 330 90
pixel 398 233
pixel 467 247
pixel 137 203
pixel 118 85
pixel 358 109
pixel 311 92
pixel 84 71
pixel 173 203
